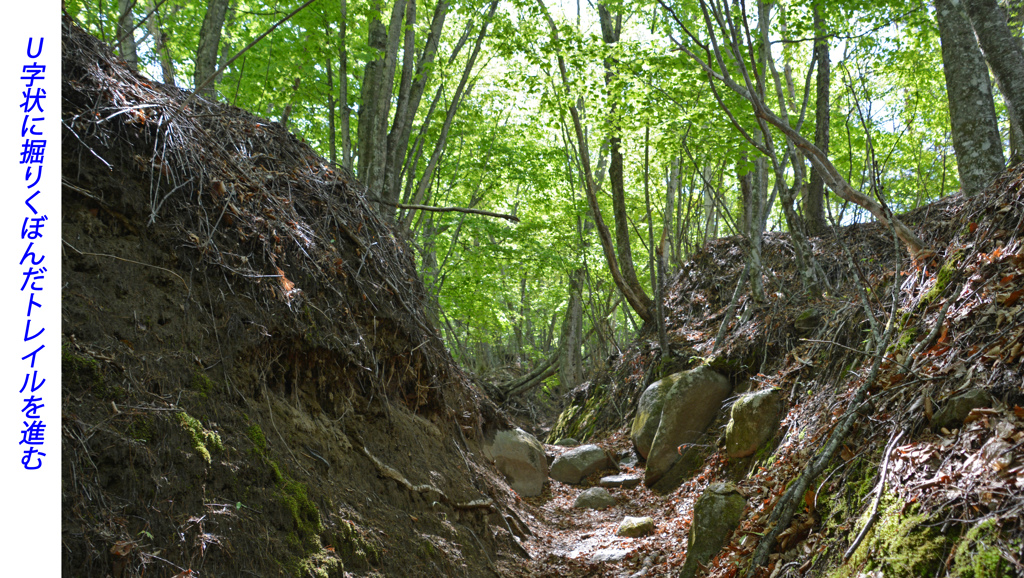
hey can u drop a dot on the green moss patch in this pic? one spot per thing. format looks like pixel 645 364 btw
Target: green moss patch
pixel 942 278
pixel 304 512
pixel 977 555
pixel 202 384
pixel 259 441
pixel 901 543
pixel 200 436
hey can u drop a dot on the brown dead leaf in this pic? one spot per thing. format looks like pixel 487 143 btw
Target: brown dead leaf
pixel 122 548
pixel 846 454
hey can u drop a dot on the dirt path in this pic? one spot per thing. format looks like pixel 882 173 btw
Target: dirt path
pixel 582 542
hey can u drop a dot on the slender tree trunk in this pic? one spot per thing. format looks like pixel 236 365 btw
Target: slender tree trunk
pixel 710 217
pixel 209 42
pixel 1015 21
pixel 375 109
pixel 126 34
pixel 753 200
pixel 972 112
pixel 160 43
pixel 570 372
pixel 611 27
pixel 635 301
pixel 814 211
pixel 226 48
pixel 1002 52
pixel 410 95
pixel 346 113
pixel 332 143
pixel 450 117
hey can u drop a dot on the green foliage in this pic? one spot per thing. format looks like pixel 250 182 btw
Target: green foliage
pixel 501 288
pixel 202 384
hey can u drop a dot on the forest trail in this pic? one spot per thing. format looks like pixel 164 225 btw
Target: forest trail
pixel 253 386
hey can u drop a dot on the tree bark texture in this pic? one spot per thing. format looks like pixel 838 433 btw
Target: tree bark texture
pixel 126 34
pixel 1002 52
pixel 160 42
pixel 375 108
pixel 972 112
pixel 814 212
pixel 209 42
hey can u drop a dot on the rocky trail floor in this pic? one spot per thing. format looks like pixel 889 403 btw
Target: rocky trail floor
pixel 570 541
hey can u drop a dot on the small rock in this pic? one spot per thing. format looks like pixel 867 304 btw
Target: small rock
pixel 956 409
pixel 608 555
pixel 635 527
pixel 807 321
pixel 568 442
pixel 620 481
pixel 595 499
pixel 628 458
pixel 580 462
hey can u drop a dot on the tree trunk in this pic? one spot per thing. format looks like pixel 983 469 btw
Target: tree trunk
pixel 972 112
pixel 160 43
pixel 346 113
pixel 126 33
pixel 450 117
pixel 1016 24
pixel 332 141
pixel 405 112
pixel 1002 52
pixel 375 109
pixel 753 201
pixel 226 49
pixel 209 42
pixel 635 301
pixel 814 211
pixel 610 29
pixel 710 216
pixel 570 373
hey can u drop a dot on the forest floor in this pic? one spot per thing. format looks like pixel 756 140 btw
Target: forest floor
pixel 949 497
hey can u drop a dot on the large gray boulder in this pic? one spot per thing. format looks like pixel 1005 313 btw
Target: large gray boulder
pixel 595 499
pixel 648 416
pixel 578 463
pixel 753 420
pixel 690 405
pixel 520 458
pixel 716 514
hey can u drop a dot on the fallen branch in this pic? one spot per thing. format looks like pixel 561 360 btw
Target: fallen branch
pixel 512 218
pixel 879 491
pixel 782 515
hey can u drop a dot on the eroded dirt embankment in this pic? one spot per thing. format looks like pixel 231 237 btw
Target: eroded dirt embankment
pixel 953 489
pixel 252 385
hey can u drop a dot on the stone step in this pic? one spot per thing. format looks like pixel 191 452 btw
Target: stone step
pixel 620 481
